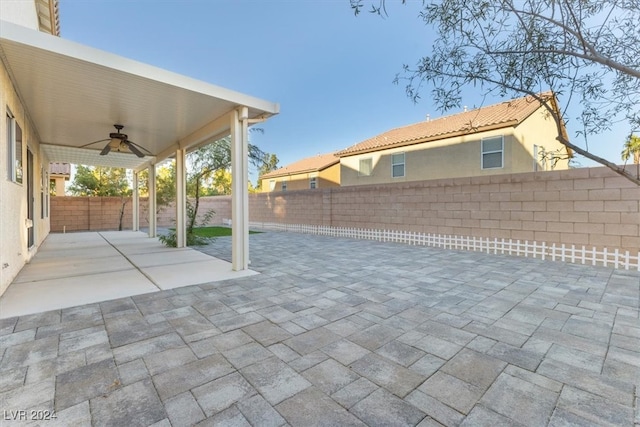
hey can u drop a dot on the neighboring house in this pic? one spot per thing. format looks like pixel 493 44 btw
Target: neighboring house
pixel 320 171
pixel 509 137
pixel 56 96
pixel 58 174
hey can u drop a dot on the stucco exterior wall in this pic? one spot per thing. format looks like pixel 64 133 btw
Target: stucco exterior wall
pixel 538 130
pixel 459 156
pixel 590 206
pixel 14 250
pixel 21 12
pixel 326 178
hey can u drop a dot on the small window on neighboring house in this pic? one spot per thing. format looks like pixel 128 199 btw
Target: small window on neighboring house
pixel 492 153
pixel 397 165
pixel 366 167
pixel 14 145
pixel 284 185
pixel 313 183
pixel 272 184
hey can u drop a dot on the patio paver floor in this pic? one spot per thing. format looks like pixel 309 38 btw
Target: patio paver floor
pixel 340 332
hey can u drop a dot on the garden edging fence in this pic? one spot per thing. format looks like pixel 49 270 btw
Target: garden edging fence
pixel 553 252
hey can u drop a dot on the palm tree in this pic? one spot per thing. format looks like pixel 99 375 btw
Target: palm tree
pixel 632 148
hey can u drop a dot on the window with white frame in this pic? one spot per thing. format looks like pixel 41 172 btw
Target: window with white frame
pixel 272 184
pixel 366 167
pixel 313 183
pixel 397 165
pixel 284 185
pixel 14 142
pixel 493 153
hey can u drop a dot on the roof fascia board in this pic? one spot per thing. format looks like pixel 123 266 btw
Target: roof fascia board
pixel 75 51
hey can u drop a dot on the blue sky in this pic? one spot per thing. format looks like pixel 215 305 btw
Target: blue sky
pixel 331 72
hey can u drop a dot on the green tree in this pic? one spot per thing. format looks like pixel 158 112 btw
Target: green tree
pixel 101 181
pixel 632 149
pixel 221 182
pixel 165 184
pixel 208 173
pixel 203 163
pixel 269 163
pixel 585 51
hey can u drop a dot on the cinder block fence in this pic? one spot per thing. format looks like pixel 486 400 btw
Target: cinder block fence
pixel 587 215
pixel 103 213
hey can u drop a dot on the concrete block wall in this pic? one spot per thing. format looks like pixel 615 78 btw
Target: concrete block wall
pixel 89 213
pixel 593 207
pixel 587 206
pixel 221 205
pixel 103 213
pixel 291 207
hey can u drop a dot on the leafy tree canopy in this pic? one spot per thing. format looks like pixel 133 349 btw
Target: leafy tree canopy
pixel 165 183
pixel 100 181
pixel 586 51
pixel 631 149
pixel 269 163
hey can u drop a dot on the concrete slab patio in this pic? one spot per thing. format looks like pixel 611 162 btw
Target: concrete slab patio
pixel 79 268
pixel 340 332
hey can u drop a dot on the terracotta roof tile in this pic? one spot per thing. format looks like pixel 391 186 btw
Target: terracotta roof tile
pixel 310 164
pixel 508 113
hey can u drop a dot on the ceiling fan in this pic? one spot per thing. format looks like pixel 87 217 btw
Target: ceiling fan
pixel 119 142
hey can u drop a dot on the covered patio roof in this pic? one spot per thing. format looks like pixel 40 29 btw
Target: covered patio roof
pixel 74 94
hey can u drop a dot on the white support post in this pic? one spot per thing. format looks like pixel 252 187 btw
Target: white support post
pixel 136 203
pixel 181 199
pixel 239 190
pixel 152 201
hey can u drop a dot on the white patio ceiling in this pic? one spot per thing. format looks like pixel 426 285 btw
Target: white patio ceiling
pixel 74 94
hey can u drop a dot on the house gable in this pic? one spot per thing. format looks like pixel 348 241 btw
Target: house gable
pixel 496 139
pixel 320 171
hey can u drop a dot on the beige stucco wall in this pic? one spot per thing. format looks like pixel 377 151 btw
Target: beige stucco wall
pixel 326 178
pixel 21 12
pixel 458 156
pixel 538 130
pixel 14 252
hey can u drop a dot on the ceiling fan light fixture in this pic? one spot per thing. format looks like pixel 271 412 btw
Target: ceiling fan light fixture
pixel 119 142
pixel 117 145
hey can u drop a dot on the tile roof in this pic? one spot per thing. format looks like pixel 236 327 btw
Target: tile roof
pixel 504 114
pixel 60 168
pixel 309 164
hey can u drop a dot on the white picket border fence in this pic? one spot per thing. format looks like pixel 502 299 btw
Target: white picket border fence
pixel 533 249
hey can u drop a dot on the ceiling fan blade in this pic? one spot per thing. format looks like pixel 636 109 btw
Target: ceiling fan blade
pixel 94 142
pixel 138 146
pixel 134 149
pixel 106 149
